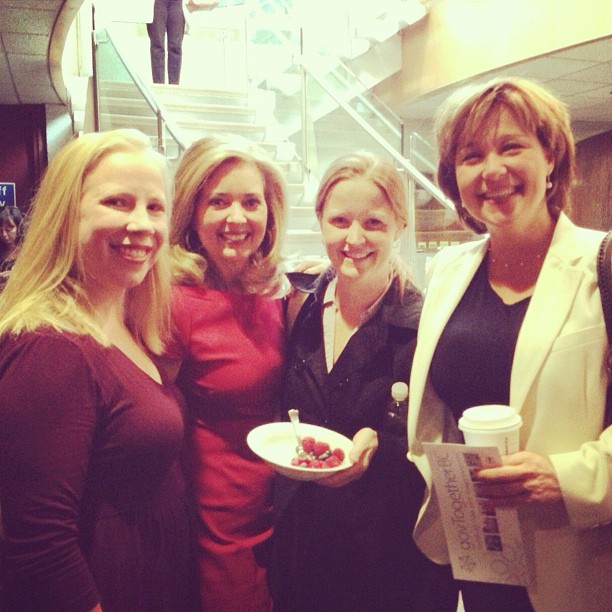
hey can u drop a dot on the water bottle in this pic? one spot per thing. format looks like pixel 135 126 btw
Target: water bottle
pixel 397 410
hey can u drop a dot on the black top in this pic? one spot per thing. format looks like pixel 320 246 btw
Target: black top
pixel 473 359
pixel 351 548
pixel 6 265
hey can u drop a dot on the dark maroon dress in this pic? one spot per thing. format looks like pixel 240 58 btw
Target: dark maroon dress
pixel 91 487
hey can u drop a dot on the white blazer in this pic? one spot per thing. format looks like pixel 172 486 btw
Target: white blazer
pixel 558 384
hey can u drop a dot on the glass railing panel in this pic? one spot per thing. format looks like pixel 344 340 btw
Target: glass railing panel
pixel 421 153
pixel 123 101
pixel 325 111
pixel 334 130
pixel 362 100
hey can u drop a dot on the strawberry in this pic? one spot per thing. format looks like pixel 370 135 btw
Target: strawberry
pixel 332 461
pixel 308 443
pixel 316 455
pixel 338 452
pixel 320 448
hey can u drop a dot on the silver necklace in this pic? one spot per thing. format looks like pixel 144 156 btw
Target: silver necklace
pixel 521 262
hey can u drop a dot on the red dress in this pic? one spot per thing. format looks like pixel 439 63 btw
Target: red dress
pixel 231 346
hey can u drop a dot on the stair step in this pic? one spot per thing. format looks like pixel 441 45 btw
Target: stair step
pixel 191 130
pixel 119 89
pixel 111 121
pixel 215 112
pixel 292 171
pixel 206 96
pixel 125 106
pixel 295 191
pixel 193 95
pixel 192 112
pixel 194 130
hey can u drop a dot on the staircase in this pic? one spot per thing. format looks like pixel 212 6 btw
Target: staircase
pixel 302 139
pixel 197 113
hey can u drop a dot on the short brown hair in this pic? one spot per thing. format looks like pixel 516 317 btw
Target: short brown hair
pixel 535 109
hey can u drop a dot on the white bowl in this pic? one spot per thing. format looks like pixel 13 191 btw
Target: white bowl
pixel 275 443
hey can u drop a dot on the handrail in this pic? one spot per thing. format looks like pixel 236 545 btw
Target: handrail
pixel 399 156
pixel 416 137
pixel 397 129
pixel 160 113
pixel 433 190
pixel 399 132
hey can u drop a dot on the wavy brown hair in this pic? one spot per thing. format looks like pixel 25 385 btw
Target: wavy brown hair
pixel 189 258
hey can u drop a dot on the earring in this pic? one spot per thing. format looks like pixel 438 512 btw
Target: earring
pixel 190 247
pixel 266 244
pixel 548 183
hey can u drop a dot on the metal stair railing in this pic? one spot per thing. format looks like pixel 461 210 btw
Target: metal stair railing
pixel 416 143
pixel 384 115
pixel 109 62
pixel 406 165
pixel 433 190
pixel 389 119
pixel 340 85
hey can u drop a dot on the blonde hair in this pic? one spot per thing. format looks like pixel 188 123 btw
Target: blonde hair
pixel 45 288
pixel 383 174
pixel 198 164
pixel 537 111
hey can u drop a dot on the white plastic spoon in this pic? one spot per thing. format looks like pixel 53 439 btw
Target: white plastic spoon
pixel 294 417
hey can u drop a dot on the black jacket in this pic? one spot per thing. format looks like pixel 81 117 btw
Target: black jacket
pixel 351 548
pixel 357 392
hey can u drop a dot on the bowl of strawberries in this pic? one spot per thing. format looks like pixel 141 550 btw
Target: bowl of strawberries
pixel 323 451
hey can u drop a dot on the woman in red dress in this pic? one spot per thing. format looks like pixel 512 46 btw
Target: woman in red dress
pixel 228 218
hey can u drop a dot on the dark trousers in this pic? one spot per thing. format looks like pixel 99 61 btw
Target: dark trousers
pixel 168 20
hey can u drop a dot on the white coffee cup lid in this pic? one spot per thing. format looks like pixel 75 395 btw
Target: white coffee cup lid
pixel 399 391
pixel 490 416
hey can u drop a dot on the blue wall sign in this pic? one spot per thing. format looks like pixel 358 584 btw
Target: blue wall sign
pixel 7 194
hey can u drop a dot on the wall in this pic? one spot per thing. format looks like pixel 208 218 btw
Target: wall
pixel 464 38
pixel 592 198
pixel 23 155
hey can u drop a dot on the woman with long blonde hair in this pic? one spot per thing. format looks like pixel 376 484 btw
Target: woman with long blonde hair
pixel 93 499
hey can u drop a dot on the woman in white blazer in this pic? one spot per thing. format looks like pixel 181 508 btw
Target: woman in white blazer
pixel 516 318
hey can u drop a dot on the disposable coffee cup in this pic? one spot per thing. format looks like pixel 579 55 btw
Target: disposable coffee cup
pixel 492 425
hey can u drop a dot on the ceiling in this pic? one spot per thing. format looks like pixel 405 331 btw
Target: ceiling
pixel 581 76
pixel 32 38
pixel 33 34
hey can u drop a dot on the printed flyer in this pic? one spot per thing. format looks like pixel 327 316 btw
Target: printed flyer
pixel 484 542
